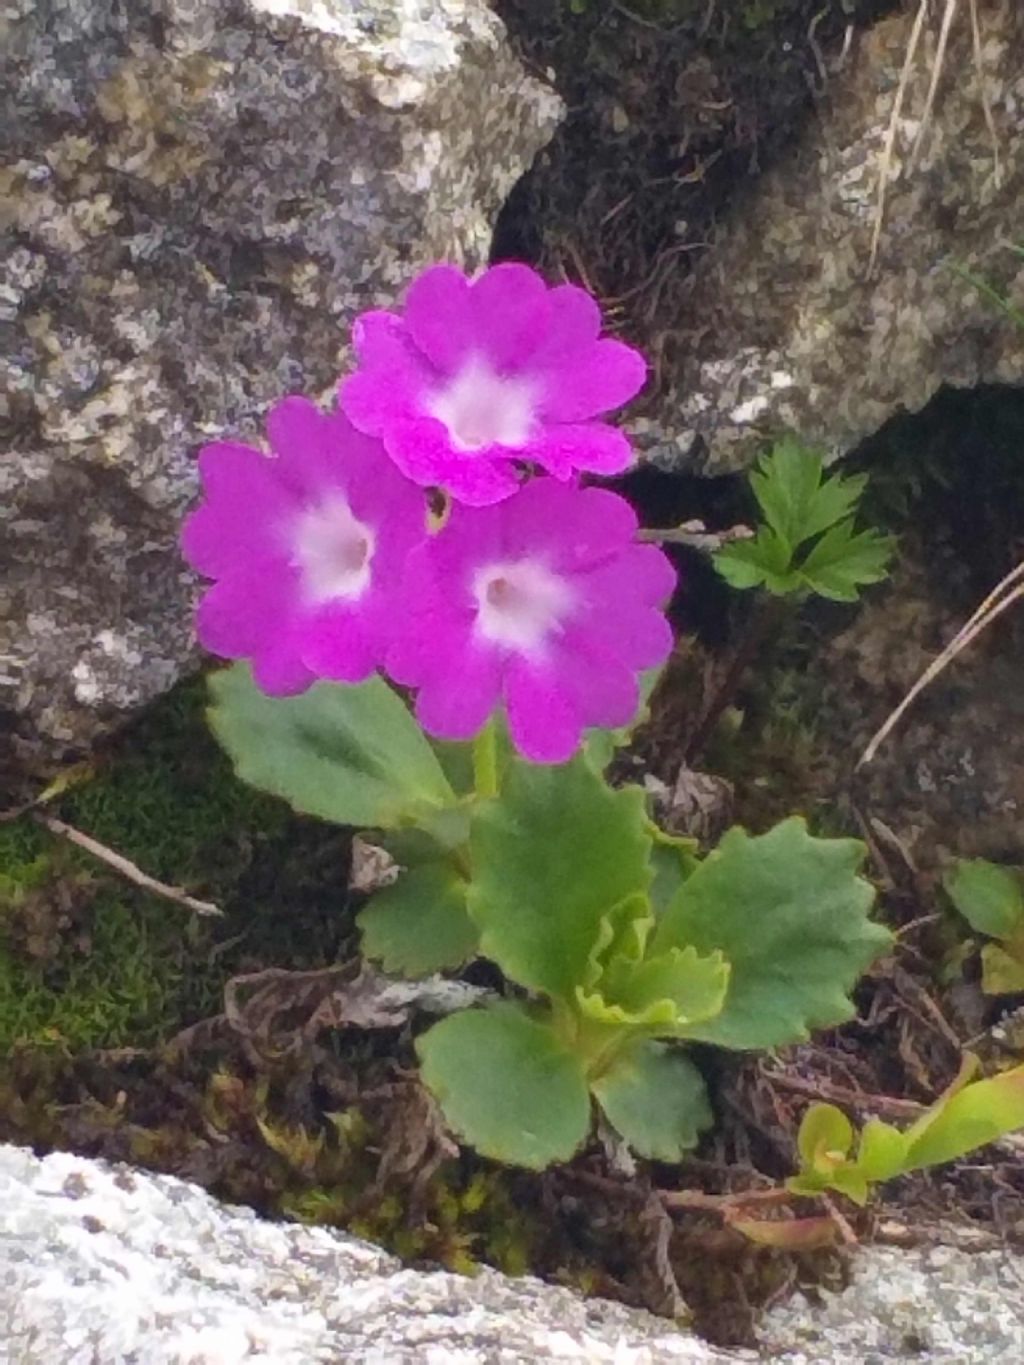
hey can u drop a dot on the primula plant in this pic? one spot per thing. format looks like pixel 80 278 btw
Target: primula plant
pixel 442 633
pixel 991 898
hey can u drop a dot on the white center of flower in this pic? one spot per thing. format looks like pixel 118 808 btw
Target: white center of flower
pixel 333 551
pixel 520 604
pixel 481 408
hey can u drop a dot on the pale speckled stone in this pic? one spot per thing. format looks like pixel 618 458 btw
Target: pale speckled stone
pixel 783 328
pixel 197 197
pixel 103 1265
pixel 100 1266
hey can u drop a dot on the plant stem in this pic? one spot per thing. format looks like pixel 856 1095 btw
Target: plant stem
pixel 485 762
pixel 766 619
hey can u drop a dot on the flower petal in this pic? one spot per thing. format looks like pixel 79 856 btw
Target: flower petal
pixel 440 317
pixel 244 506
pixel 593 447
pixel 602 683
pixel 455 704
pixel 543 718
pixel 574 325
pixel 591 381
pixel 576 528
pixel 340 642
pixel 422 450
pixel 511 313
pixel 238 614
pixel 392 376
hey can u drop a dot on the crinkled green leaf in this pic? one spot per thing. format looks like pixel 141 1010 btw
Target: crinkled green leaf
pixel 790 914
pixel 968 1119
pixel 990 897
pixel 507 1085
pixel 844 561
pixel 796 497
pixel 420 923
pixel 551 856
pixel 665 995
pixel 352 755
pixel 622 935
pixel 656 1099
pixel 763 561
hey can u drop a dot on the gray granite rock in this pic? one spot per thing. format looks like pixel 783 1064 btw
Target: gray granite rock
pixel 787 326
pixel 100 1266
pixel 198 196
pixel 103 1266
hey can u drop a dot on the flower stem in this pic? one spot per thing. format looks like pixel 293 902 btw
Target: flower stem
pixel 485 762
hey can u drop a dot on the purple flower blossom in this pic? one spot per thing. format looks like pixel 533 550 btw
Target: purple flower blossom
pixel 307 549
pixel 475 375
pixel 544 602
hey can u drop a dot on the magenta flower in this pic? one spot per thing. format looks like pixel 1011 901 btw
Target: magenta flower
pixel 307 549
pixel 473 376
pixel 543 602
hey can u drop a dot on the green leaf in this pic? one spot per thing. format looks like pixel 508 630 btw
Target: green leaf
pixel 990 897
pixel 665 995
pixel 551 856
pixel 764 561
pixel 843 561
pixel 883 1151
pixel 790 914
pixel 420 923
pixel 797 499
pixel 1001 974
pixel 967 1119
pixel 352 755
pixel 673 860
pixel 656 1099
pixel 825 1137
pixel 507 1085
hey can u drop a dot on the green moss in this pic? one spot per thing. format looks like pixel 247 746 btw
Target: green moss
pixel 89 961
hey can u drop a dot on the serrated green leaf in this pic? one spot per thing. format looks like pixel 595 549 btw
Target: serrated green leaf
pixel 551 856
pixel 656 1098
pixel 764 561
pixel 796 497
pixel 420 923
pixel 990 897
pixel 968 1119
pixel 352 755
pixel 1001 973
pixel 790 915
pixel 844 561
pixel 507 1085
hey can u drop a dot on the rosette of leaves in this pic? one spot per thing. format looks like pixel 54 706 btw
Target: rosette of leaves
pixel 991 900
pixel 617 943
pixel 807 541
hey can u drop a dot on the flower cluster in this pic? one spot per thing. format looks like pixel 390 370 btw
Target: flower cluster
pixel 532 594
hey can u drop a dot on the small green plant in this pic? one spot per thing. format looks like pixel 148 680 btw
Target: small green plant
pixel 618 943
pixel 991 899
pixel 969 1115
pixel 807 542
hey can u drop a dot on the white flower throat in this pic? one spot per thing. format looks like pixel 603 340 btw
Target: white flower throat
pixel 333 551
pixel 520 605
pixel 481 408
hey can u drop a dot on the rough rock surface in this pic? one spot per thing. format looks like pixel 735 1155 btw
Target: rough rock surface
pixel 788 328
pixel 108 1264
pixel 100 1264
pixel 198 196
